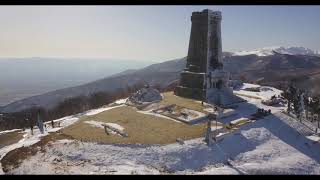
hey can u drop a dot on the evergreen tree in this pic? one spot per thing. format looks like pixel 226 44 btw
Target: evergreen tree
pixel 301 108
pixel 290 95
pixel 315 108
pixel 296 103
pixel 307 100
pixel 286 95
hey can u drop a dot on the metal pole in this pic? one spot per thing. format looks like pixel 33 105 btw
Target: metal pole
pixel 208 133
pixel 215 134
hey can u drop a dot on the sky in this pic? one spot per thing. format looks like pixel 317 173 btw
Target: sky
pixel 155 33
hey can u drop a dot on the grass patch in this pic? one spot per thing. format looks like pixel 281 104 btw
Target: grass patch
pixel 141 128
pixel 170 98
pixel 10 138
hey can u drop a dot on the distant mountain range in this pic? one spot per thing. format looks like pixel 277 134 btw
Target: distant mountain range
pixel 267 51
pixel 270 69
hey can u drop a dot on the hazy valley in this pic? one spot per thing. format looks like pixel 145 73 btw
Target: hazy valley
pixel 25 77
pixel 273 69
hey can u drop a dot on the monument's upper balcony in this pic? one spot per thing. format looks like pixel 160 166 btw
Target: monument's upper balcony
pixel 212 13
pixel 205 14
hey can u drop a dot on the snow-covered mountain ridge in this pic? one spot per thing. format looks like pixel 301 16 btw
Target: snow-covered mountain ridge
pixel 267 51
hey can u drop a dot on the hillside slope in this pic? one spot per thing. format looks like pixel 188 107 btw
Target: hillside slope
pixel 272 69
pixel 162 73
pixel 266 146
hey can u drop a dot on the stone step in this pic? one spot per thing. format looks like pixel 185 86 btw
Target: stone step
pixel 297 125
pixel 226 98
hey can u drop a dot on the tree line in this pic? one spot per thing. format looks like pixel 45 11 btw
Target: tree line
pixel 70 106
pixel 302 104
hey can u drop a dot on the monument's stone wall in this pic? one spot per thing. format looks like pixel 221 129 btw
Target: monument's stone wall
pixel 192 79
pixel 204 77
pixel 197 52
pixel 193 93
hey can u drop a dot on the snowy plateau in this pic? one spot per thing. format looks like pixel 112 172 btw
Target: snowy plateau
pixel 276 144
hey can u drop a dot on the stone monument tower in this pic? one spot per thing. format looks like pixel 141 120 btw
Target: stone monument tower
pixel 204 77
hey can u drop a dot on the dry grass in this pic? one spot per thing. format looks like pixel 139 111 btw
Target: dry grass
pixel 141 128
pixel 10 138
pixel 170 98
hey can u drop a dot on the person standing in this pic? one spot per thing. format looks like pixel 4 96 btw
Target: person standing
pixel 31 128
pixel 40 123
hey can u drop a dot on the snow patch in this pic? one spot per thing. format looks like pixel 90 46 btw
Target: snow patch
pixel 62 141
pixel 116 126
pixel 95 124
pixel 99 110
pixel 121 101
pixel 101 125
pixel 8 131
pixel 64 122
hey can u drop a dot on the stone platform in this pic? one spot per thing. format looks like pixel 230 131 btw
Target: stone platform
pixel 223 97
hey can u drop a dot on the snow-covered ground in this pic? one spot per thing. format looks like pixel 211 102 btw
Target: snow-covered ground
pixel 29 139
pixel 265 93
pixel 266 146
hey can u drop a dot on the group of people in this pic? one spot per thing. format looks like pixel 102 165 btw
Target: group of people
pixel 42 126
pixel 263 111
pixel 260 113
